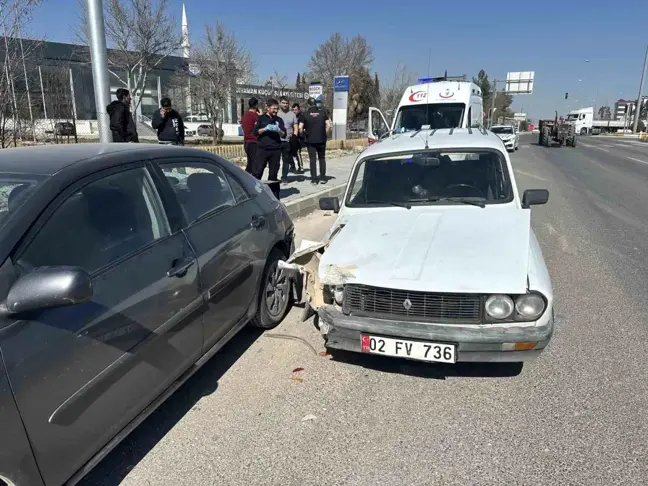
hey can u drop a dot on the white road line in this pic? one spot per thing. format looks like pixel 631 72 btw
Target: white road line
pixel 599 148
pixel 638 160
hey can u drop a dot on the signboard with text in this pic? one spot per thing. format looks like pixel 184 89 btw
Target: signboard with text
pixel 316 91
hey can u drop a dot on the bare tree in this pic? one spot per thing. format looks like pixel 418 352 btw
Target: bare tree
pixel 339 56
pixel 391 94
pixel 277 81
pixel 222 62
pixel 15 99
pixel 140 35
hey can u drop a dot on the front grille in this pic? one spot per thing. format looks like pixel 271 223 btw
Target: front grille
pixel 363 300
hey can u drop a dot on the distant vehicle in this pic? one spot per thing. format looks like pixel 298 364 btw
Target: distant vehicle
pixel 64 129
pixel 124 269
pixel 205 131
pixel 432 256
pixel 585 124
pixel 436 102
pixel 509 136
pixel 557 130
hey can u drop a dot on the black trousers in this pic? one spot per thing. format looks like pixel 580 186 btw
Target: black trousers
pixel 264 157
pixel 295 150
pixel 317 151
pixel 287 160
pixel 250 152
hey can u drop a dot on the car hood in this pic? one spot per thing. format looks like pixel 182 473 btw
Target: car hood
pixel 458 249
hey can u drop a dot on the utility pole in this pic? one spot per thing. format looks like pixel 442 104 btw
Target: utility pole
pixel 99 56
pixel 638 108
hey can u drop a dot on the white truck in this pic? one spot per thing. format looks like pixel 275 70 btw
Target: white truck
pixel 585 124
pixel 435 102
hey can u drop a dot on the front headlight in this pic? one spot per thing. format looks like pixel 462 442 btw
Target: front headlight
pixel 530 306
pixel 338 294
pixel 499 306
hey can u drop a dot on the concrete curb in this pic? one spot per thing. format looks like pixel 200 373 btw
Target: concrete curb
pixel 298 208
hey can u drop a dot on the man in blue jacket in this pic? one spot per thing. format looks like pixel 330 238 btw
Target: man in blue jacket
pixel 169 125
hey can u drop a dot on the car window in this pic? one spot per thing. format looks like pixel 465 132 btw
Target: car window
pixel 201 187
pixel 14 191
pixel 237 189
pixel 502 130
pixel 430 177
pixel 436 115
pixel 99 224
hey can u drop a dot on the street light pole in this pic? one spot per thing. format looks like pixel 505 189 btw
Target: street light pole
pixel 99 57
pixel 638 108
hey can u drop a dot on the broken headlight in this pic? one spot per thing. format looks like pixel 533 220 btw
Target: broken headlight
pixel 334 294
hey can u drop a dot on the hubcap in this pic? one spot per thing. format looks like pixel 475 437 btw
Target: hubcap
pixel 276 291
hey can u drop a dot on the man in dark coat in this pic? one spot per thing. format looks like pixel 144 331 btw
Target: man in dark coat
pixel 169 125
pixel 122 123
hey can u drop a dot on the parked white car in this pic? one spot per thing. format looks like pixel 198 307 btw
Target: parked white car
pixel 432 256
pixel 509 136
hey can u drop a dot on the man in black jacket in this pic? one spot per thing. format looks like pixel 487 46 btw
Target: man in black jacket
pixel 316 123
pixel 169 125
pixel 122 124
pixel 269 130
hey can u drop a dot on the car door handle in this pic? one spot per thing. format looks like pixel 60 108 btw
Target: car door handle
pixel 258 222
pixel 180 268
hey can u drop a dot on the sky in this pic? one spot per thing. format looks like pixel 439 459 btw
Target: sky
pixel 594 51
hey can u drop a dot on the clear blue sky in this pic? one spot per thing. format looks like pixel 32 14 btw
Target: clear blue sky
pixel 465 36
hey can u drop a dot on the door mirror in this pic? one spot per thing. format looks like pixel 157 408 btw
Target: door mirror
pixel 49 287
pixel 329 204
pixel 532 197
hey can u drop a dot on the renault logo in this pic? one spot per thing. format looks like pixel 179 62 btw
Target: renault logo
pixel 407 304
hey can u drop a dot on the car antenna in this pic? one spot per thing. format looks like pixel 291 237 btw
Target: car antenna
pixel 427 101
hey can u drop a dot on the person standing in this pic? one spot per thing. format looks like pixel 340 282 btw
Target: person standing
pixel 248 122
pixel 317 124
pixel 169 124
pixel 269 130
pixel 122 123
pixel 297 140
pixel 290 123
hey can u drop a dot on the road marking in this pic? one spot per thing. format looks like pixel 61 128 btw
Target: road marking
pixel 638 160
pixel 518 171
pixel 599 148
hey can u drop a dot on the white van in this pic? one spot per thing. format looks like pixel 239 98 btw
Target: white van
pixel 438 103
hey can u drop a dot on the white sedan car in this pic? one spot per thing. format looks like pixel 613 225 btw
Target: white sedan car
pixel 508 135
pixel 432 256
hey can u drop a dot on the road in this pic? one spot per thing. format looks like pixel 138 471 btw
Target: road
pixel 577 415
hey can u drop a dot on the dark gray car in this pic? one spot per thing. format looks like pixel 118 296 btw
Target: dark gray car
pixel 125 267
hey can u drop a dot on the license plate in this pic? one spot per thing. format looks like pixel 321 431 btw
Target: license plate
pixel 401 348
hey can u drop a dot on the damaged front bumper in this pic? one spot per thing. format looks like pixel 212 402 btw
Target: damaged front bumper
pixel 502 342
pixel 477 343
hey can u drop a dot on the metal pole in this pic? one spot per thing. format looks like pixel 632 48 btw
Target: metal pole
pixel 40 75
pixel 492 113
pixel 159 90
pixel 73 96
pixel 31 113
pixel 99 56
pixel 638 108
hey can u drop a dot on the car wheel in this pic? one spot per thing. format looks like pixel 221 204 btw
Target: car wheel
pixel 275 295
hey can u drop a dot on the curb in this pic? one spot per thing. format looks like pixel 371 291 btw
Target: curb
pixel 298 208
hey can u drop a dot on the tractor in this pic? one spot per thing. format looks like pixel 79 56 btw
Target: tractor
pixel 557 130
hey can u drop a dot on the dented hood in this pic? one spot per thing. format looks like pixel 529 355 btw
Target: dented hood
pixel 457 250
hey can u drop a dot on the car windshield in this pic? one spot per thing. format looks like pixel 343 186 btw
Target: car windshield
pixel 573 116
pixel 502 130
pixel 436 115
pixel 431 177
pixel 14 191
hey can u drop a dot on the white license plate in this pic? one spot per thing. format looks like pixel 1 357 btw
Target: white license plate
pixel 401 348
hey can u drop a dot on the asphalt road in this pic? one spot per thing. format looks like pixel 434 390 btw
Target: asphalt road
pixel 577 415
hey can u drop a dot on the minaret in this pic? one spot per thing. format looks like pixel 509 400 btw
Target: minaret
pixel 186 45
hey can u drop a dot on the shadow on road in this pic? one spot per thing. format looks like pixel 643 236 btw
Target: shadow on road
pixel 437 371
pixel 116 466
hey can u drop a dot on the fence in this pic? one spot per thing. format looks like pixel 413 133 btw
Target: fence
pixel 236 150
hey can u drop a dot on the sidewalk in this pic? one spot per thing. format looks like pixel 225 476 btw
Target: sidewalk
pixel 301 197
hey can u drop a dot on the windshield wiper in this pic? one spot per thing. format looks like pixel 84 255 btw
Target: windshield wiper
pixel 463 200
pixel 405 205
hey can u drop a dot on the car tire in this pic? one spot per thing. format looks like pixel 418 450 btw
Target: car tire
pixel 275 294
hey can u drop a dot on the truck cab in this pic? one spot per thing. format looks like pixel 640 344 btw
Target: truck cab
pixel 583 120
pixel 434 102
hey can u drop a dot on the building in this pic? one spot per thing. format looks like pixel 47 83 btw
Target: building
pixel 623 108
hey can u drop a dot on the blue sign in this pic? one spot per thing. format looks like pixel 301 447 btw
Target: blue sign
pixel 341 83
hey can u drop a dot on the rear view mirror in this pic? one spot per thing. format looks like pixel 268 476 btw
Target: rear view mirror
pixel 329 204
pixel 49 287
pixel 533 197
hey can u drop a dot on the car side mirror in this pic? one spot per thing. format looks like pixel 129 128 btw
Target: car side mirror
pixel 49 287
pixel 329 204
pixel 533 197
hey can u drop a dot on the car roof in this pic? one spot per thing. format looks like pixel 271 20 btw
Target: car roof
pixel 452 138
pixel 50 159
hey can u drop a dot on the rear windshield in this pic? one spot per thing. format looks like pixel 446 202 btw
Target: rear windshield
pixel 14 191
pixel 436 115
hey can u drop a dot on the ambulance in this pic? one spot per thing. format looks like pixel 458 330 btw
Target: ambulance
pixel 433 102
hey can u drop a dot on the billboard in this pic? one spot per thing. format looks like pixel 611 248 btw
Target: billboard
pixel 520 82
pixel 316 90
pixel 519 116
